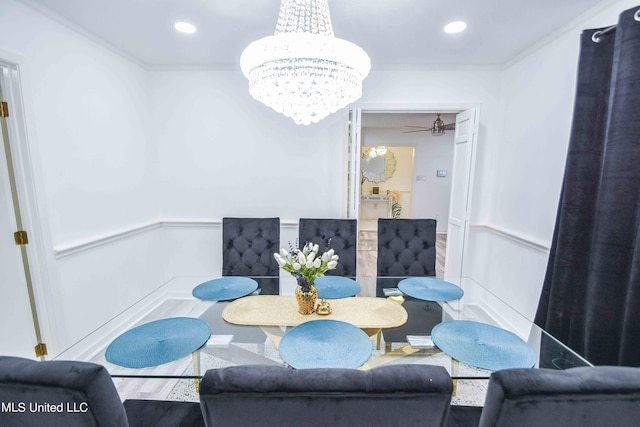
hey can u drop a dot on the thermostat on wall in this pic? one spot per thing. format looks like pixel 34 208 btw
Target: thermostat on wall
pixel 442 172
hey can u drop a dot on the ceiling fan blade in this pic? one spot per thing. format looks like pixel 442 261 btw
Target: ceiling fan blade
pixel 450 126
pixel 419 130
pixel 421 127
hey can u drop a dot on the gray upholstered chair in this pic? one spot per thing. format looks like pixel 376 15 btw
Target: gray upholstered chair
pixel 248 245
pixel 70 394
pixel 407 248
pixel 338 234
pixel 577 397
pixel 394 395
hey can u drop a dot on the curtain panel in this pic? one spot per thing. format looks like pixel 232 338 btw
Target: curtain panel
pixel 591 294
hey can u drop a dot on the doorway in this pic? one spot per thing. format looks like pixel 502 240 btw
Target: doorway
pixel 441 183
pixel 417 182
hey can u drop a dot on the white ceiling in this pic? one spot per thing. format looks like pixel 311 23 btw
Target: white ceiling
pixel 395 33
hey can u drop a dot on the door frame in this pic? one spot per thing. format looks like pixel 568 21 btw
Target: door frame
pixel 26 173
pixel 353 184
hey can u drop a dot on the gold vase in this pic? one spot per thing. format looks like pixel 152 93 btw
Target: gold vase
pixel 306 300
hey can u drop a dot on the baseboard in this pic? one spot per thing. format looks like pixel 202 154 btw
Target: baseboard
pixel 89 348
pixel 479 311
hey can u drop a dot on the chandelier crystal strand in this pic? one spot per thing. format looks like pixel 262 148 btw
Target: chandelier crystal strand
pixel 304 17
pixel 303 71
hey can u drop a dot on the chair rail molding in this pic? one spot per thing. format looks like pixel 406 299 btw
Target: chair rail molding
pixel 74 248
pixel 520 239
pixel 289 224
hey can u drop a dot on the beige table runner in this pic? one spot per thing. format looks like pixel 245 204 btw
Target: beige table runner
pixel 281 310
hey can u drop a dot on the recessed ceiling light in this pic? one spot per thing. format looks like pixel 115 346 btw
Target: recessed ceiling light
pixel 185 27
pixel 455 27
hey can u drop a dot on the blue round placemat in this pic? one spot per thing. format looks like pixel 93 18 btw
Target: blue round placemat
pixel 430 289
pixel 225 288
pixel 483 346
pixel 336 287
pixel 325 344
pixel 158 342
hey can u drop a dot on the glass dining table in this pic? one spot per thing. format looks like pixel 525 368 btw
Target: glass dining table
pixel 256 341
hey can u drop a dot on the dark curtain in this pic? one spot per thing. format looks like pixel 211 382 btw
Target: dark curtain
pixel 591 294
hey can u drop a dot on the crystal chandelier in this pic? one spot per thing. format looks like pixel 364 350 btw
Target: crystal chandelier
pixel 303 71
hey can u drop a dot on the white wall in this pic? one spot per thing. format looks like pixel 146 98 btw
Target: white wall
pixel 88 135
pixel 224 154
pixel 89 125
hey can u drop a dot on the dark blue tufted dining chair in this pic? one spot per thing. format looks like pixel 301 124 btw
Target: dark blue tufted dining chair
pixel 248 245
pixel 338 234
pixel 407 248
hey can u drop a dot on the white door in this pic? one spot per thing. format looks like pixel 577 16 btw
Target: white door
pixel 17 332
pixel 17 335
pixel 353 155
pixel 461 186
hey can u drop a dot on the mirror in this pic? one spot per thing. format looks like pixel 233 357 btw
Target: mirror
pixel 378 164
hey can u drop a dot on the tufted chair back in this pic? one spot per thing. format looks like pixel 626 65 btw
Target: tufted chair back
pixel 342 234
pixel 248 245
pixel 407 247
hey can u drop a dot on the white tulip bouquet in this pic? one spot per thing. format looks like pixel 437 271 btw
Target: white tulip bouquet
pixel 305 264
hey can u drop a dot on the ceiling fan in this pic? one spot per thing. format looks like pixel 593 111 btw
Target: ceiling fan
pixel 438 128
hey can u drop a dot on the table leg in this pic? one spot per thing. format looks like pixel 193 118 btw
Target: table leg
pixel 196 368
pixel 377 332
pixel 274 333
pixel 396 298
pixel 455 365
